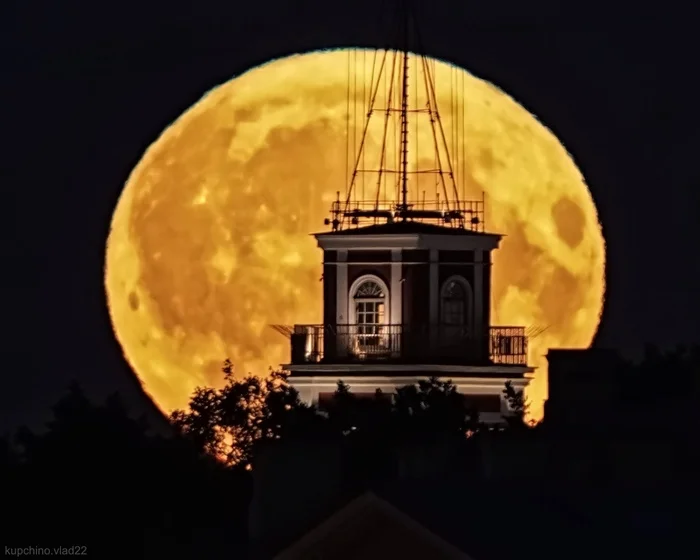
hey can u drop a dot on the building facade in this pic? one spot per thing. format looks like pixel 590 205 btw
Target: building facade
pixel 404 301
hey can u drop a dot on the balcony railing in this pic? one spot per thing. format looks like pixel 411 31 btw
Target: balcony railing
pixel 438 344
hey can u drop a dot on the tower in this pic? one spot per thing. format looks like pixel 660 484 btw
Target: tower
pixel 407 279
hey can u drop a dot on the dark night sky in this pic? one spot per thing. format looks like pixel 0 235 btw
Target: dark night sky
pixel 86 87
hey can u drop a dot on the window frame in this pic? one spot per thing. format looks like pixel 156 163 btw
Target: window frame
pixel 468 303
pixel 381 334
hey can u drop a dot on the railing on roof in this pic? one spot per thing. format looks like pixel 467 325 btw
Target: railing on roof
pixel 438 344
pixel 465 214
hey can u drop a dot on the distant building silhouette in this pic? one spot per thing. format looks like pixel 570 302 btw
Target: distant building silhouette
pixel 595 473
pixel 306 504
pixel 583 386
pixel 370 527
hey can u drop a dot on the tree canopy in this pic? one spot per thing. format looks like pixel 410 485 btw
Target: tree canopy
pixel 97 472
pixel 230 422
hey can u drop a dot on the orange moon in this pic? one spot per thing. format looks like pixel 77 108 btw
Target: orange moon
pixel 209 242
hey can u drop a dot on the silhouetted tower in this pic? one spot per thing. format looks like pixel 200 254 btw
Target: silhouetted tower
pixel 407 278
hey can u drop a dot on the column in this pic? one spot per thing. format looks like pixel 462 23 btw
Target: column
pixel 479 302
pixel 395 303
pixel 434 288
pixel 341 302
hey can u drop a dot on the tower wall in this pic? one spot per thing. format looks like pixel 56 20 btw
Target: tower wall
pixel 485 272
pixel 416 285
pixel 412 273
pixel 412 268
pixel 330 286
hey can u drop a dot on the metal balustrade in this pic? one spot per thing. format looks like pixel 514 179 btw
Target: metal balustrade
pixel 407 343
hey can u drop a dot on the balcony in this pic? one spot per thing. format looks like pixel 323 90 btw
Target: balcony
pixel 433 344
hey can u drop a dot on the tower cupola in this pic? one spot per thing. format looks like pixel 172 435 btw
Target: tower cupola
pixel 406 258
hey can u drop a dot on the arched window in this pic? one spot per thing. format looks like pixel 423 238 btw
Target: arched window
pixel 369 311
pixel 456 303
pixel 455 316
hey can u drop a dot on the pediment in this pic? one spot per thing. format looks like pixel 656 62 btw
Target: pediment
pixel 369 528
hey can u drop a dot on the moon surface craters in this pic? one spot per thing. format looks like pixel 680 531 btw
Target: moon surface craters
pixel 133 301
pixel 569 220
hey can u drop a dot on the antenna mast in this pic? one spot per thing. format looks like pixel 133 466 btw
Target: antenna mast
pixel 384 139
pixel 403 207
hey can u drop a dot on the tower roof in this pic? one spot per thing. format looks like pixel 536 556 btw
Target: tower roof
pixel 407 227
pixel 407 235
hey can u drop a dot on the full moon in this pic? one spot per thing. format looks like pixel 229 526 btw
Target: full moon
pixel 209 242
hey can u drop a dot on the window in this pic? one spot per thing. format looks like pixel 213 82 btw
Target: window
pixel 369 300
pixel 454 303
pixel 455 315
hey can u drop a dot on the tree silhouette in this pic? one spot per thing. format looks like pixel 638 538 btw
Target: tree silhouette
pixel 517 404
pixel 96 471
pixel 348 413
pixel 229 422
pixel 434 406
